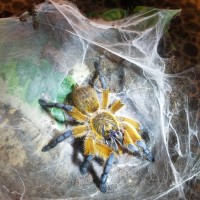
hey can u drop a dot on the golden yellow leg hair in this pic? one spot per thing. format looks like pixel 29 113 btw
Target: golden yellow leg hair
pixel 77 115
pixel 105 96
pixel 135 136
pixel 91 147
pixel 72 111
pixel 130 121
pixel 116 105
pixel 127 139
pixel 129 143
pixel 80 131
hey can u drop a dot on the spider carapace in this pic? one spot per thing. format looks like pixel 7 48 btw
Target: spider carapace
pixel 106 135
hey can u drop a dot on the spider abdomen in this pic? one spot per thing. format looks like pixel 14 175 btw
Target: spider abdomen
pixel 85 99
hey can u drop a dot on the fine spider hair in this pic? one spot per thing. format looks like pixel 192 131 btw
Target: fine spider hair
pixel 105 134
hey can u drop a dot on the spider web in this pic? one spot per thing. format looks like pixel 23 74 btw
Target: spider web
pixel 34 64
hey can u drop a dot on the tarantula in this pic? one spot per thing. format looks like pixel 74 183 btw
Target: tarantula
pixel 106 135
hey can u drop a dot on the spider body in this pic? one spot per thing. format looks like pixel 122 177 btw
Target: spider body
pixel 85 99
pixel 103 122
pixel 105 134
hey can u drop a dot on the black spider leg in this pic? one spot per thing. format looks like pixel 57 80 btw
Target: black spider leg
pixel 146 151
pixel 57 140
pixel 133 148
pixel 93 79
pixel 106 170
pixel 85 164
pixel 47 105
pixel 100 73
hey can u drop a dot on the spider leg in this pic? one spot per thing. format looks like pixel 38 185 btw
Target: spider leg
pixel 57 140
pixel 130 121
pixel 89 152
pixel 93 78
pixel 72 111
pixel 77 131
pixel 93 148
pixel 106 170
pixel 85 164
pixel 105 91
pixel 135 136
pixel 129 144
pixel 101 75
pixel 146 151
pixel 105 97
pixel 137 139
pixel 116 105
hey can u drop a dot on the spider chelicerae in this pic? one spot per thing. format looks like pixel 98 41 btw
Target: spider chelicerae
pixel 106 135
